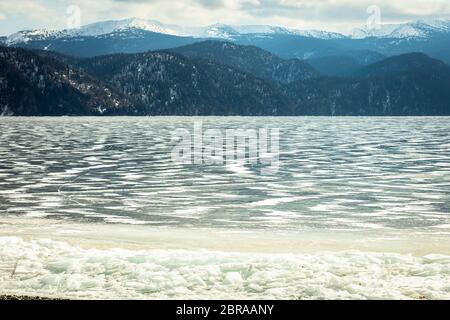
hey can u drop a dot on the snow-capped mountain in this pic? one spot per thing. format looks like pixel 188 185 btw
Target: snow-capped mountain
pixel 264 29
pixel 418 29
pixel 229 32
pixel 94 29
pixel 32 35
pixel 138 35
pixel 216 31
pixel 106 27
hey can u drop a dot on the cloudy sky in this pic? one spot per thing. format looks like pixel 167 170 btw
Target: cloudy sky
pixel 333 15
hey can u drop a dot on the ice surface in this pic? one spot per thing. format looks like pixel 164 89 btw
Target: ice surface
pixel 57 269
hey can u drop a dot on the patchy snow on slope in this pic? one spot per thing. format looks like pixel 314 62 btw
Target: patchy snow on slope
pixel 29 35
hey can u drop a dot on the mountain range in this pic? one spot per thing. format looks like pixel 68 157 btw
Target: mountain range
pixel 139 67
pixel 137 35
pixel 216 31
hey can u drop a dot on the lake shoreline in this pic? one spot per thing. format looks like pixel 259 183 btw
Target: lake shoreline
pixel 64 271
pixel 105 236
pixel 26 298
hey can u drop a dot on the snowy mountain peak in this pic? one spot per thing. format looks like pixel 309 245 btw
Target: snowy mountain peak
pixel 218 30
pixel 418 29
pixel 29 35
pixel 93 30
pixel 228 32
pixel 106 27
pixel 267 29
